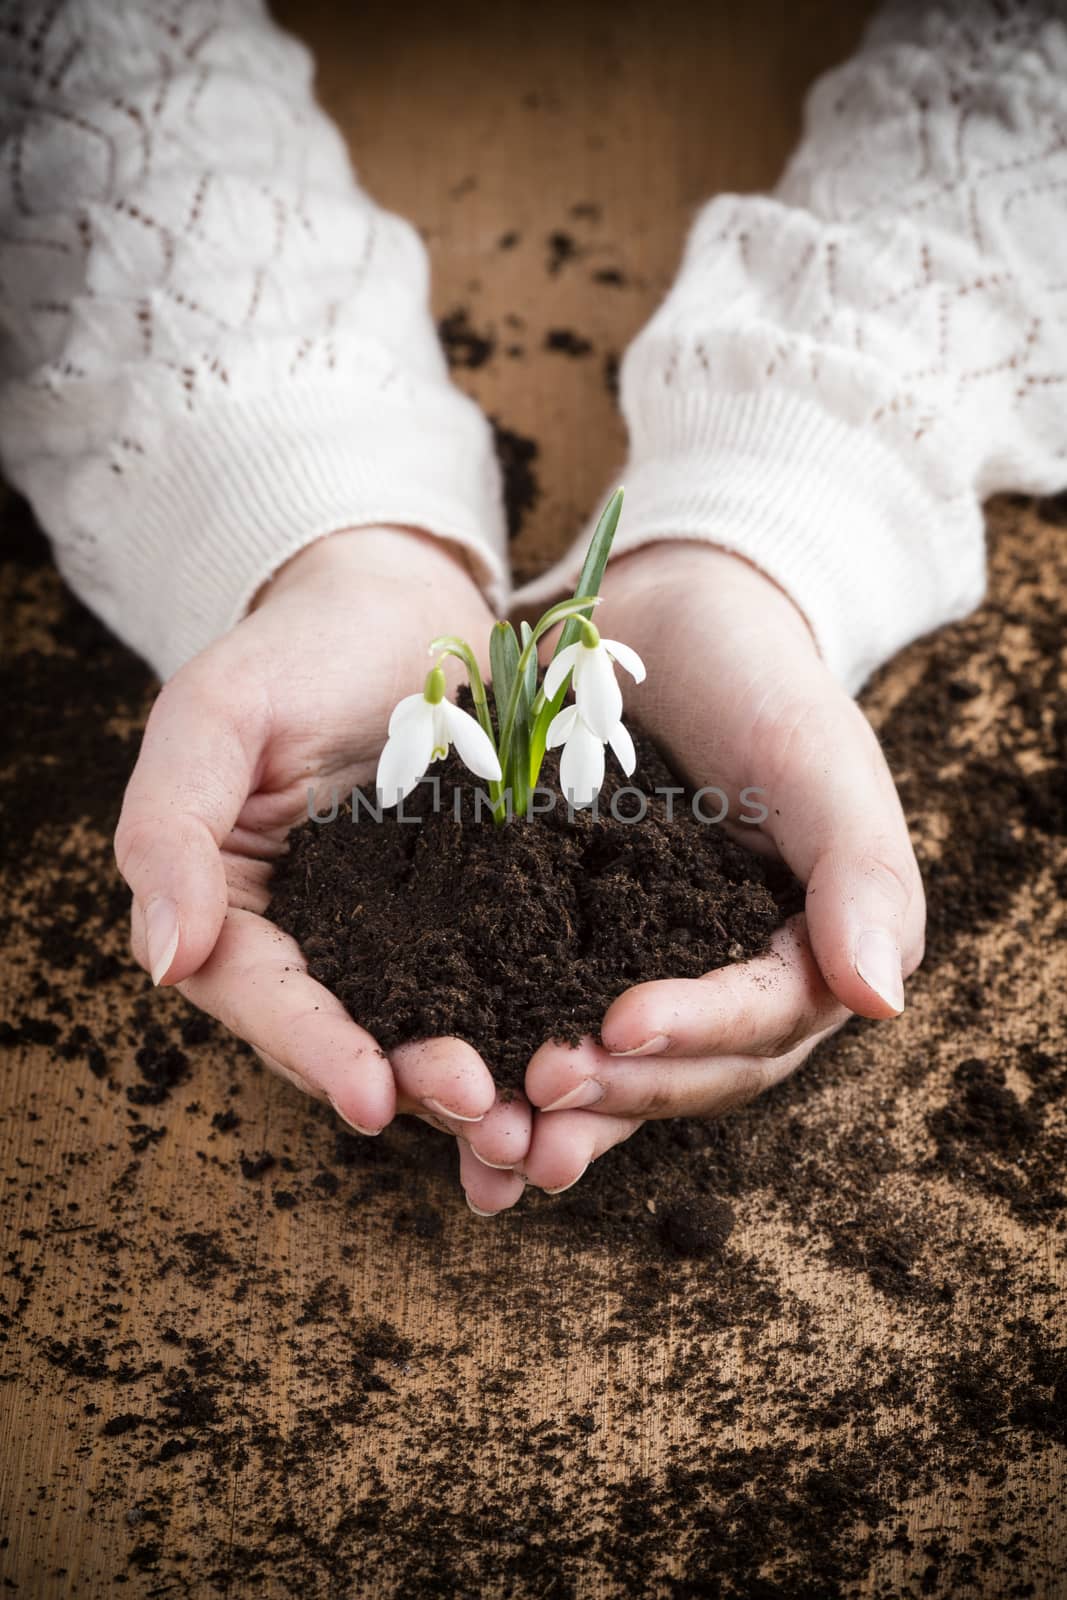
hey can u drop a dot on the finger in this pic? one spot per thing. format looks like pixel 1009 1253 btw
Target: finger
pixel 280 1070
pixel 196 766
pixel 256 983
pixel 564 1143
pixel 760 1007
pixel 502 1138
pixel 444 1076
pixel 837 820
pixel 654 1087
pixel 487 1191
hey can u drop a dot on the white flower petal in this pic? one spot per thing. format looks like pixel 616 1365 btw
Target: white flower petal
pixel 411 705
pixel 626 657
pixel 623 746
pixel 597 692
pixel 472 742
pixel 559 729
pixel 405 758
pixel 442 732
pixel 558 669
pixel 581 770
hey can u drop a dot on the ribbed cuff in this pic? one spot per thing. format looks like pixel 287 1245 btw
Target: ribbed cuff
pixel 223 500
pixel 869 555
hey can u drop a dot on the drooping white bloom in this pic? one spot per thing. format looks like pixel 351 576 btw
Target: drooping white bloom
pixel 581 766
pixel 595 718
pixel 421 729
pixel 596 690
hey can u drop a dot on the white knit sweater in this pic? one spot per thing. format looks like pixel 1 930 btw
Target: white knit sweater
pixel 216 348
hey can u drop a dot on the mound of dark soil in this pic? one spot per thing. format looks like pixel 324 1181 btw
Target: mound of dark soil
pixel 506 937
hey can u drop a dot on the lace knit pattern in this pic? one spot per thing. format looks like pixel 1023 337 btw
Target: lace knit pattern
pixel 198 302
pixel 845 369
pixel 217 348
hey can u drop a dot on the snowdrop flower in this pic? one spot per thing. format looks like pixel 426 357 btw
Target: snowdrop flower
pixel 581 766
pixel 596 690
pixel 595 718
pixel 421 729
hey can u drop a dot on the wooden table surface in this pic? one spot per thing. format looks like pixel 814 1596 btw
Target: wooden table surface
pixel 244 1353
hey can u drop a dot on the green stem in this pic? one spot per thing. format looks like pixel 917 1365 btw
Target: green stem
pixel 556 613
pixel 542 711
pixel 449 645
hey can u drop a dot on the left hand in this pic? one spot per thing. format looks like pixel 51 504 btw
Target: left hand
pixel 299 694
pixel 737 695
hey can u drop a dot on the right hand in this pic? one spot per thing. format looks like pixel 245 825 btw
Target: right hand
pixel 738 697
pixel 300 693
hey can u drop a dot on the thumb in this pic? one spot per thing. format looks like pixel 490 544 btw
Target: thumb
pixel 195 768
pixel 837 821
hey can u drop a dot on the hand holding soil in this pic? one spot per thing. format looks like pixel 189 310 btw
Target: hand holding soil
pixel 299 691
pixel 737 696
pixel 517 938
pixel 785 392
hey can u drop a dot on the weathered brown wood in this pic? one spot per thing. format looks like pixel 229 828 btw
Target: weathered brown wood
pixel 478 122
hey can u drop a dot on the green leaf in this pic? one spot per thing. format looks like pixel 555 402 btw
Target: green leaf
pixel 596 559
pixel 563 609
pixel 528 655
pixel 503 663
pixel 526 664
pixel 589 581
pixel 526 635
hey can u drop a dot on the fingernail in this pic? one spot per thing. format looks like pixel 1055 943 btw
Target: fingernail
pixel 161 933
pixel 497 1166
pixel 878 964
pixel 651 1047
pixel 478 1212
pixel 586 1093
pixel 443 1111
pixel 564 1186
pixel 371 1133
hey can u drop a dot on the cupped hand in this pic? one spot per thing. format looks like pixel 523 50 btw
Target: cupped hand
pixel 298 695
pixel 738 698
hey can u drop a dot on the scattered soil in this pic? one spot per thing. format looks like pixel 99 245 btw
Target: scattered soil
pixel 517 456
pixel 815 1349
pixel 510 936
pixel 464 345
pixel 562 247
pixel 565 342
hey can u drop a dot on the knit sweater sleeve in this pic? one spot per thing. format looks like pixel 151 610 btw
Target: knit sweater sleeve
pixel 846 368
pixel 215 348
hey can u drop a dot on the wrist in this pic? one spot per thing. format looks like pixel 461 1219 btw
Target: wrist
pixel 677 572
pixel 384 555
